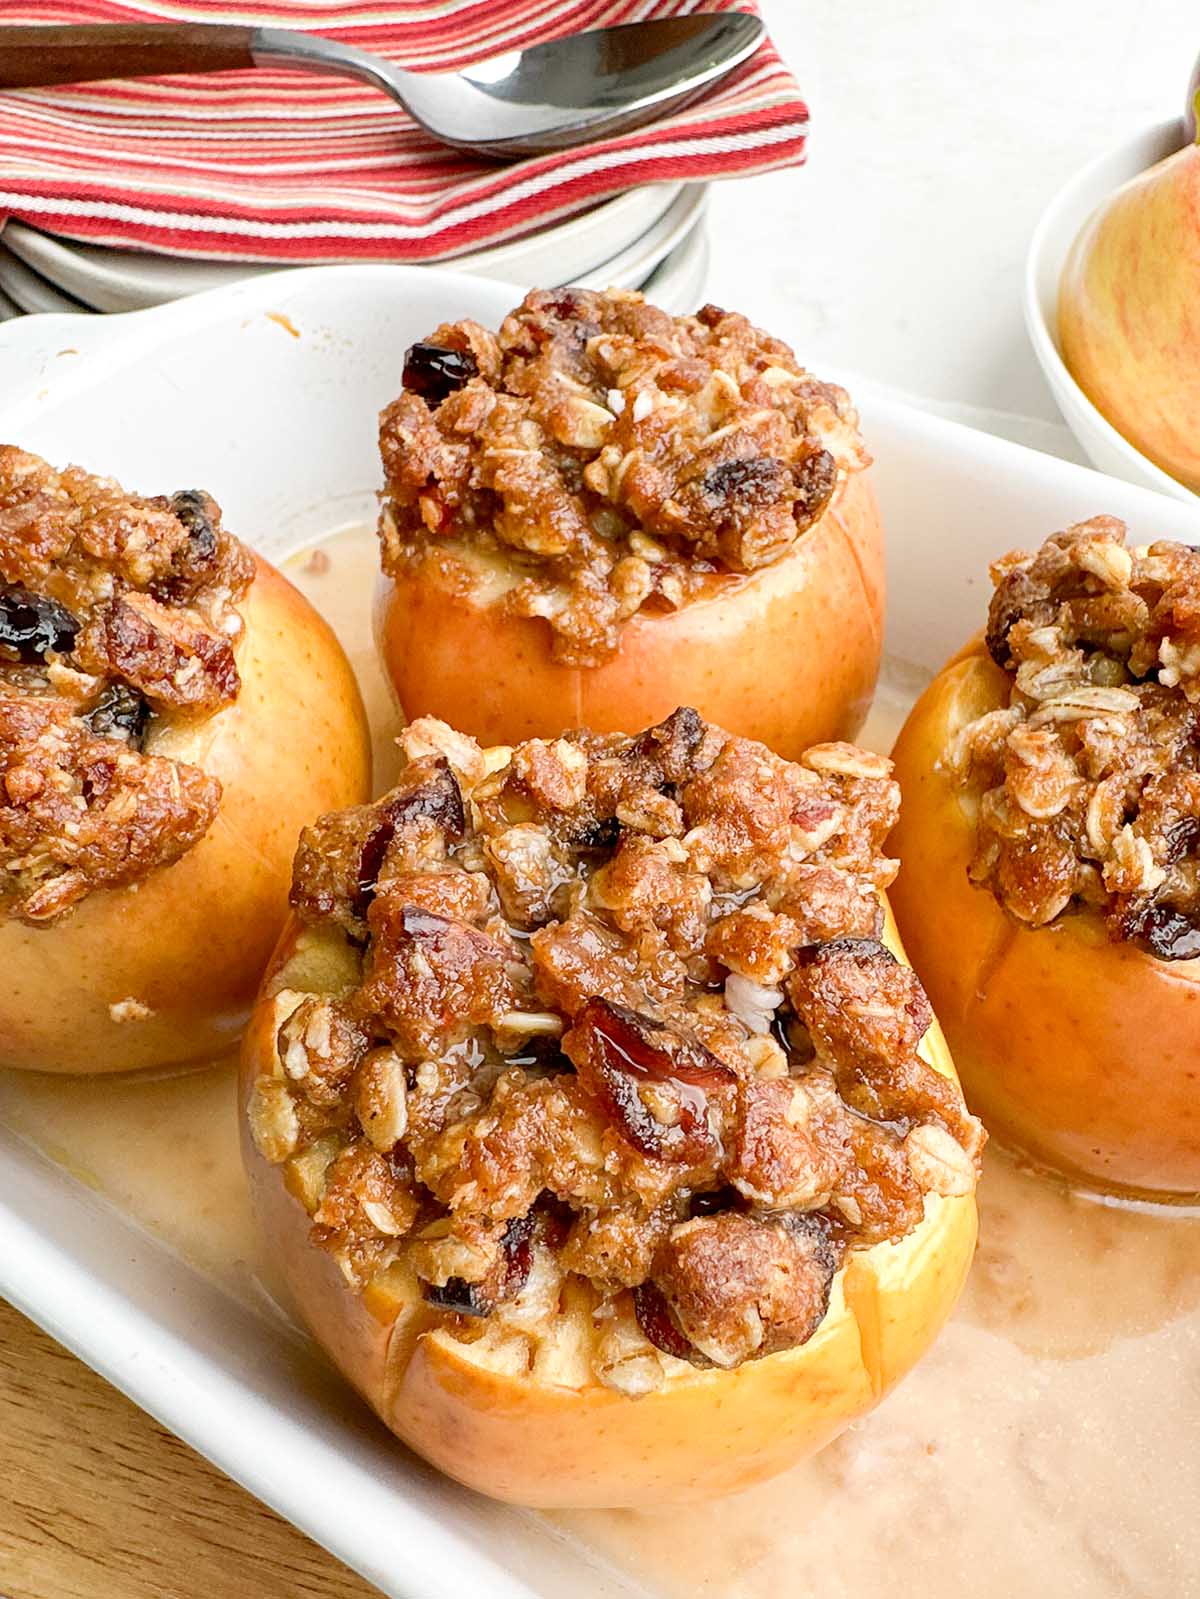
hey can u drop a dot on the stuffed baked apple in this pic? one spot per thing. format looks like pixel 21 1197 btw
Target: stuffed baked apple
pixel 603 511
pixel 1049 890
pixel 171 713
pixel 605 1139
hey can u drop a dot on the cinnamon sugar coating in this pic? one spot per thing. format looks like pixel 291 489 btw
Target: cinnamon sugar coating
pixel 117 614
pixel 613 456
pixel 1088 779
pixel 622 1020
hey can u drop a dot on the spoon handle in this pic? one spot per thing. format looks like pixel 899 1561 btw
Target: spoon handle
pixel 36 56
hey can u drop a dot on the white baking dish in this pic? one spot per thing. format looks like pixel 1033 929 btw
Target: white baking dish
pixel 266 393
pixel 1057 230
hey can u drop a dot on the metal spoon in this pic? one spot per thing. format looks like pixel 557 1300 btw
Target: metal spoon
pixel 547 97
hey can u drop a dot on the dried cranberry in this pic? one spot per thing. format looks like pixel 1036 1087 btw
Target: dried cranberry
pixel 1168 933
pixel 438 799
pixel 33 626
pixel 121 712
pixel 433 372
pixel 518 1255
pixel 616 1049
pixel 659 1325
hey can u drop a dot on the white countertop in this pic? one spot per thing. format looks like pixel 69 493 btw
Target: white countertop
pixel 940 130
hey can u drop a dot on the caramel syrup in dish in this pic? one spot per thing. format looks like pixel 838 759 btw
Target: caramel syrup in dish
pixel 1048 1445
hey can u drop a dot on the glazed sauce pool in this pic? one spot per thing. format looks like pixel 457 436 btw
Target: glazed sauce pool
pixel 1046 1445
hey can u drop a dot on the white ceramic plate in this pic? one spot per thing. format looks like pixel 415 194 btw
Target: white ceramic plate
pixel 28 291
pixel 268 392
pixel 630 268
pixel 674 243
pixel 1052 239
pixel 678 282
pixel 130 280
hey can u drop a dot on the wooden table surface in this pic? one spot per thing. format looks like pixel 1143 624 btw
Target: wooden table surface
pixel 97 1501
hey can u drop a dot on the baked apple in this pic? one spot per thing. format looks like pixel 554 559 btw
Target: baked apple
pixel 1049 890
pixel 604 1138
pixel 602 512
pixel 171 713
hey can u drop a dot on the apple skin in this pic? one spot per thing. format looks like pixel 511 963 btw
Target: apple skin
pixel 190 940
pixel 788 655
pixel 1078 1052
pixel 529 1442
pixel 1129 313
pixel 1190 105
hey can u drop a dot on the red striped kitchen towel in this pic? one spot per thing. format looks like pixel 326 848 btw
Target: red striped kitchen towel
pixel 290 167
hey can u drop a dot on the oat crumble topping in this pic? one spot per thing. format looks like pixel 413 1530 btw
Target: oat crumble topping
pixel 1088 779
pixel 623 1035
pixel 117 615
pixel 615 456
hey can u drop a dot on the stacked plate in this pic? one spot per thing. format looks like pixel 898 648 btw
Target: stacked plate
pixel 650 238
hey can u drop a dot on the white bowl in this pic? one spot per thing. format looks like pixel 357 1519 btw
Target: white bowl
pixel 1052 240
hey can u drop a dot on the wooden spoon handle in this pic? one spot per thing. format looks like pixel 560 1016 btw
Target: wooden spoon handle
pixel 34 56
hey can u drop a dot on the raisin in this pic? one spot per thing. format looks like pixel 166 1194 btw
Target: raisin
pixel 434 372
pixel 463 1298
pixel 121 712
pixel 863 951
pixel 33 626
pixel 752 480
pixel 671 745
pixel 815 480
pixel 1016 597
pixel 1165 932
pixel 192 508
